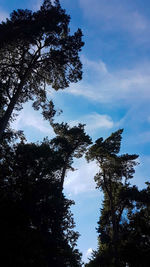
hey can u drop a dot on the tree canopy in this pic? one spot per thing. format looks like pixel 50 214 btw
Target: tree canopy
pixel 36 49
pixel 36 223
pixel 113 178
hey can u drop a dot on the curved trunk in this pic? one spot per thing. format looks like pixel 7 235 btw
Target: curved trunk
pixel 63 173
pixel 5 119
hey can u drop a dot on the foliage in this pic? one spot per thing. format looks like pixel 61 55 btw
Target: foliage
pixel 36 220
pixel 36 50
pixel 36 223
pixel 135 245
pixel 71 142
pixel 113 178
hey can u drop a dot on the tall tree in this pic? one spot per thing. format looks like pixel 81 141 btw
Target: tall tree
pixel 135 229
pixel 71 142
pixel 36 50
pixel 36 221
pixel 36 224
pixel 113 178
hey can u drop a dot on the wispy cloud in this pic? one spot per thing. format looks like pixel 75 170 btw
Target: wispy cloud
pixel 121 87
pixel 94 121
pixel 99 66
pixel 89 252
pixel 30 118
pixel 115 15
pixel 81 180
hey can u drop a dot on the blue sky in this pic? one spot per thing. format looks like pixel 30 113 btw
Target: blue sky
pixel 114 93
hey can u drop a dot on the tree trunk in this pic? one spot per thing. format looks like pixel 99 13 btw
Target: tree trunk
pixel 4 120
pixel 114 221
pixel 63 173
pixel 115 236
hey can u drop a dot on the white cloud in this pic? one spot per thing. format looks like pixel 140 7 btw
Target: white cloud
pixel 116 14
pixel 118 87
pixel 99 66
pixel 30 118
pixel 94 121
pixel 89 252
pixel 82 179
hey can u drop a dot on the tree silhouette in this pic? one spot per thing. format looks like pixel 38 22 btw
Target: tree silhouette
pixel 36 50
pixel 113 179
pixel 71 142
pixel 135 241
pixel 36 222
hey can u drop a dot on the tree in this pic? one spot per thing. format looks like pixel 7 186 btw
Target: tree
pixel 36 221
pixel 135 241
pixel 36 50
pixel 113 179
pixel 36 224
pixel 71 142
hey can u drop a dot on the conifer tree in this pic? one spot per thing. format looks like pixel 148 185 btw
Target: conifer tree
pixel 36 50
pixel 36 224
pixel 113 178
